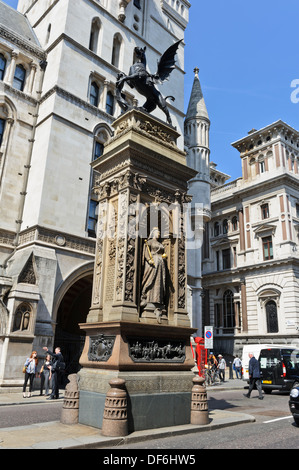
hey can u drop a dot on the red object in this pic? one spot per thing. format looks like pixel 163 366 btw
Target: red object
pixel 200 355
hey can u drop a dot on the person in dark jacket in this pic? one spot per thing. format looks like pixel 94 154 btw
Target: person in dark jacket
pixel 254 376
pixel 57 364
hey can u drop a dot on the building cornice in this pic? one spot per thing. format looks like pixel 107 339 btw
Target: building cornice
pixel 231 275
pixel 247 190
pixel 20 42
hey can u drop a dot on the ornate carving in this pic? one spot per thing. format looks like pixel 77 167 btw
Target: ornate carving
pixel 152 350
pixel 156 131
pixel 100 348
pixel 28 276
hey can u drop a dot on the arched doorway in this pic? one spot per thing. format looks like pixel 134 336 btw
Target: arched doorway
pixel 73 310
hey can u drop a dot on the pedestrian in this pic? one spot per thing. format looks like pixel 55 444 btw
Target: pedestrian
pixel 45 375
pixel 30 371
pixel 237 366
pixel 254 376
pixel 57 365
pixel 221 367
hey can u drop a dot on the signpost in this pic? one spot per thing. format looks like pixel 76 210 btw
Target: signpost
pixel 209 337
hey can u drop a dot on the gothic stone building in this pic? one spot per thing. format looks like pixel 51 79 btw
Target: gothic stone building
pixel 59 60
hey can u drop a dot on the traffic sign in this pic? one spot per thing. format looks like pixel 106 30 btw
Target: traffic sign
pixel 209 337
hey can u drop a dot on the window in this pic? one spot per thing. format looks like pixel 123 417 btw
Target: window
pixel 92 218
pixel 272 319
pixel 267 248
pixel 94 94
pixel 116 50
pixel 19 78
pixel 228 309
pixel 297 210
pixel 226 264
pixel 2 127
pixel 2 66
pixel 94 35
pixel 262 166
pixel 235 223
pixel 225 226
pixel 22 317
pixel 216 229
pixel 98 150
pixel 110 103
pixel 265 211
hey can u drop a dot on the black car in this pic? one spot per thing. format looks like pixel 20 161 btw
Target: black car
pixel 294 404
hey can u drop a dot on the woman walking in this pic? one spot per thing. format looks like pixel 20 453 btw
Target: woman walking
pixel 30 366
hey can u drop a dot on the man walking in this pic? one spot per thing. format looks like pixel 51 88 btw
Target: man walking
pixel 254 376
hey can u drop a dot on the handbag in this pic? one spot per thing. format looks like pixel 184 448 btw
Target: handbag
pixel 24 370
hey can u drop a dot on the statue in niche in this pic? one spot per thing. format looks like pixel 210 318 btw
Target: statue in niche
pixel 154 281
pixel 144 82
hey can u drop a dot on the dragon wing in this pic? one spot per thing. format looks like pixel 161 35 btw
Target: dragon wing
pixel 166 63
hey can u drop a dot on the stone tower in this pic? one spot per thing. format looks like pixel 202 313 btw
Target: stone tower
pixel 197 127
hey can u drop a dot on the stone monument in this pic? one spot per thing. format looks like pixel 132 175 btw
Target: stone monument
pixel 138 329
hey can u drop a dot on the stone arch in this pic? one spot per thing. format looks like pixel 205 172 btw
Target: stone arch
pixel 71 307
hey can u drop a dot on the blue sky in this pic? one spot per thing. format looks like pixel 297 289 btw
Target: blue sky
pixel 247 52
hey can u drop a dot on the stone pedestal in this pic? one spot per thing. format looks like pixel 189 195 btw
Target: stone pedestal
pixel 143 340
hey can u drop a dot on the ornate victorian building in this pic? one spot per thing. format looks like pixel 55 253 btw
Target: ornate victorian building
pixel 59 62
pixel 251 271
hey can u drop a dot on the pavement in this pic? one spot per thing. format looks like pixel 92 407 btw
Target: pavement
pixel 55 435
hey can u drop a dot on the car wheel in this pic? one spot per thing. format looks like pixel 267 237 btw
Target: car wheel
pixel 296 420
pixel 267 391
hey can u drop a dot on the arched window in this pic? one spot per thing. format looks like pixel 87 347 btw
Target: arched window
pixel 116 50
pixel 228 310
pixel 225 226
pixel 19 78
pixel 22 317
pixel 235 223
pixel 94 35
pixel 2 66
pixel 94 94
pixel 216 229
pixel 110 103
pixel 272 318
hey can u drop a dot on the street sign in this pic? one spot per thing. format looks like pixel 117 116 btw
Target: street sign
pixel 209 337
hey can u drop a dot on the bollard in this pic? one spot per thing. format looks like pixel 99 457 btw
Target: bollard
pixel 70 407
pixel 115 419
pixel 199 402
